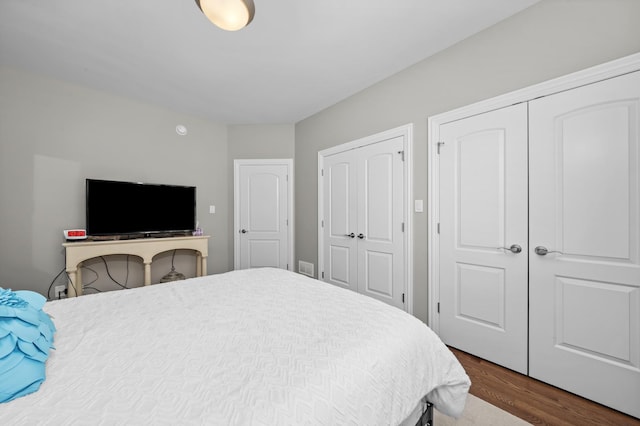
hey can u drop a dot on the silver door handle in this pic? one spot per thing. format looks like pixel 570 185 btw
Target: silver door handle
pixel 351 235
pixel 361 236
pixel 542 251
pixel 515 248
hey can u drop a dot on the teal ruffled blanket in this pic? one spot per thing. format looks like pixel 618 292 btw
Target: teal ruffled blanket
pixel 26 336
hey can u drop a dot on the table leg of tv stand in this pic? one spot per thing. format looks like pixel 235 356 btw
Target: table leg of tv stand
pixel 75 278
pixel 147 273
pixel 201 268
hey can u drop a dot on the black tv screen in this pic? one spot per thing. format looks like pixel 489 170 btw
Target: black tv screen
pixel 126 208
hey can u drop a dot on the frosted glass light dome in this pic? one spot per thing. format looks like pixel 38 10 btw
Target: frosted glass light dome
pixel 230 15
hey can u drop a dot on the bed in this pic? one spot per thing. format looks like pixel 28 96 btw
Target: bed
pixel 252 347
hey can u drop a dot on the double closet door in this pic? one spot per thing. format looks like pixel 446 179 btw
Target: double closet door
pixel 540 239
pixel 363 225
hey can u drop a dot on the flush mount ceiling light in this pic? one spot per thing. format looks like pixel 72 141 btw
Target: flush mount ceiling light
pixel 230 15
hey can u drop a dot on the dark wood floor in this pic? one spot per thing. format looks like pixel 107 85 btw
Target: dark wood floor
pixel 534 401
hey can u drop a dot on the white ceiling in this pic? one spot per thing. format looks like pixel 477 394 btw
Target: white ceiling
pixel 296 58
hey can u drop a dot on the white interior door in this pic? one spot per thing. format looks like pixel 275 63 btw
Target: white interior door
pixel 585 198
pixel 380 232
pixel 364 214
pixel 263 214
pixel 483 236
pixel 341 221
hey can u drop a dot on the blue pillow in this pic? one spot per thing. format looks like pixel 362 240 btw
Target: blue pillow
pixel 26 336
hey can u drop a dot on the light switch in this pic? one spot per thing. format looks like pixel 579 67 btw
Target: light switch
pixel 418 206
pixel 212 209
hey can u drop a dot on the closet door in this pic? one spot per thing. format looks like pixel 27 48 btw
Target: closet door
pixel 483 236
pixel 340 220
pixel 585 241
pixel 380 231
pixel 363 215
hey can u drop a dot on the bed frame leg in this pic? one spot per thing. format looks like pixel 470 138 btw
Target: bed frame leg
pixel 427 417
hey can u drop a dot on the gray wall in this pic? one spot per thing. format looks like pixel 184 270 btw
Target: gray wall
pixel 53 135
pixel 256 141
pixel 550 39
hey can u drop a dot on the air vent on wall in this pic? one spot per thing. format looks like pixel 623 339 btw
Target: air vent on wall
pixel 305 268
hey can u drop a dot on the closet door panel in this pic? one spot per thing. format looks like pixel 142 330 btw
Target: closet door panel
pixel 480 184
pixel 380 217
pixel 595 178
pixel 584 204
pixel 340 213
pixel 483 236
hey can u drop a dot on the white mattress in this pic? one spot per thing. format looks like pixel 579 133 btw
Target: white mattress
pixel 252 347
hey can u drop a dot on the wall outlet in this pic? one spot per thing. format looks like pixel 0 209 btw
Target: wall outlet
pixel 60 291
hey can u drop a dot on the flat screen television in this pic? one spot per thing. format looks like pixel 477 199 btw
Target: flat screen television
pixel 139 209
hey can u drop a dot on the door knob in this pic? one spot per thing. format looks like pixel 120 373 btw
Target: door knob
pixel 351 235
pixel 361 236
pixel 244 231
pixel 542 251
pixel 515 248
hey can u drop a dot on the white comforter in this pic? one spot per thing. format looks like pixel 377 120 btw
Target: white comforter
pixel 261 346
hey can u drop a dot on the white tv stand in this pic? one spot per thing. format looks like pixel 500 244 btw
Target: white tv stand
pixel 145 248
